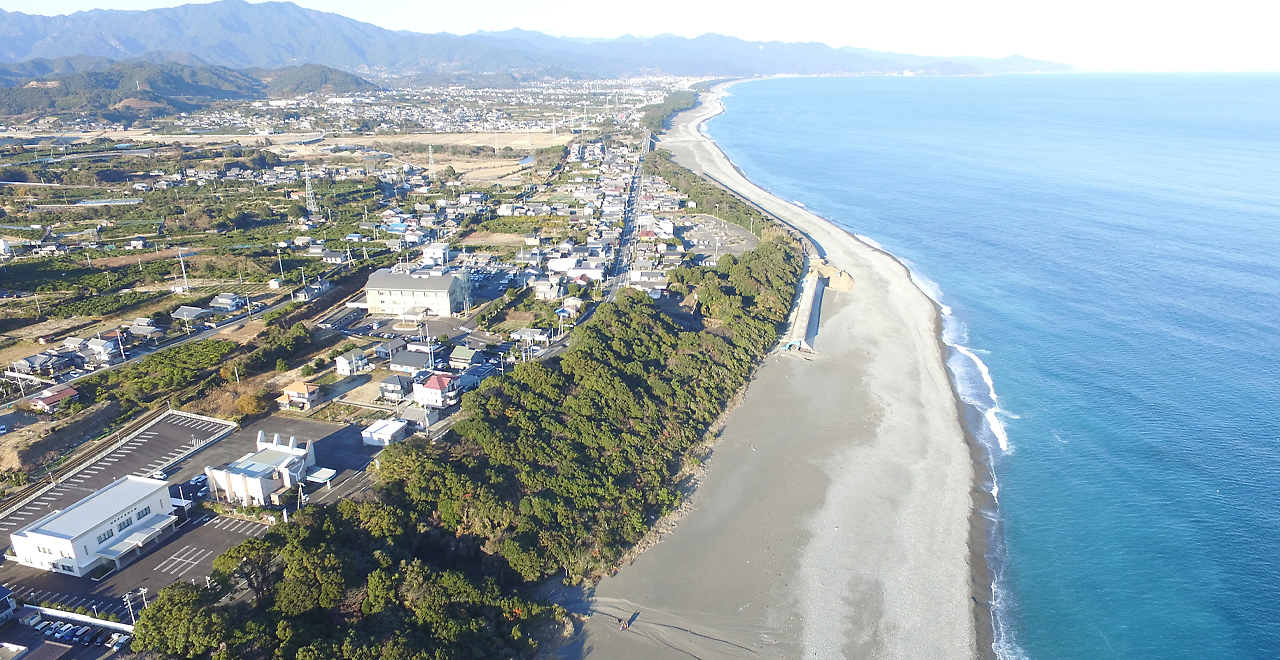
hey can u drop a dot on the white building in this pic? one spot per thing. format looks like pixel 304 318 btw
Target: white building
pixel 228 302
pixel 416 294
pixel 385 432
pixel 255 478
pixel 103 528
pixel 350 363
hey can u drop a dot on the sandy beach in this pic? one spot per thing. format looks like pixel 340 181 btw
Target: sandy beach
pixel 833 520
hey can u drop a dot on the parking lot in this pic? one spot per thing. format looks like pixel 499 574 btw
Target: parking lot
pixel 39 646
pixel 186 554
pixel 338 447
pixel 162 442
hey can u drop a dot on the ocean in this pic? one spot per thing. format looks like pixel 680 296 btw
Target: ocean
pixel 1107 252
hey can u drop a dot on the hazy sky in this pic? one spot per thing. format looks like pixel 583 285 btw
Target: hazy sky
pixel 1099 35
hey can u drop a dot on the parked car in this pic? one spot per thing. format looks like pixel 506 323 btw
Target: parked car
pixel 42 625
pixel 66 631
pixel 95 637
pixel 113 639
pixel 199 480
pixel 80 633
pixel 56 629
pixel 120 643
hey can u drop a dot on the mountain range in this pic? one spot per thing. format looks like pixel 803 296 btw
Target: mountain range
pixel 156 83
pixel 238 35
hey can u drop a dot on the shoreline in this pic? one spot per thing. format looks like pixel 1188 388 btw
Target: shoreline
pixel 980 578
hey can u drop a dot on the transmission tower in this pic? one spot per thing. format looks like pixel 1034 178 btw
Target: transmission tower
pixel 313 209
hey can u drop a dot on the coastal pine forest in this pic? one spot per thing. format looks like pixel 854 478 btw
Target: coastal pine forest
pixel 558 469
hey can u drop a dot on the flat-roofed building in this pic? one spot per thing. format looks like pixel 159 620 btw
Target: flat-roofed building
pixel 385 432
pixel 258 478
pixel 109 526
pixel 416 294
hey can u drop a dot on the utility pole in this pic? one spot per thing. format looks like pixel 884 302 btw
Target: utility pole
pixel 128 602
pixel 186 286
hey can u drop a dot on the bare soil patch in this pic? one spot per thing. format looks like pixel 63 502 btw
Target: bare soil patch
pixel 491 238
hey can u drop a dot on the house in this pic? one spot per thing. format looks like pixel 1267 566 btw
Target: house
pixel 385 350
pixel 410 362
pixel 396 388
pixel 572 304
pixel 532 335
pixel 331 257
pixel 189 314
pixel 260 477
pixel 351 362
pixel 9 607
pixel 49 362
pixel 300 396
pixel 385 432
pixel 228 302
pixel 462 357
pixel 104 349
pixel 49 400
pixel 312 291
pixel 110 526
pixel 548 288
pixel 437 391
pixel 147 332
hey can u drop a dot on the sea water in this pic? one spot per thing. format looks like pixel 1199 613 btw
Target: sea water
pixel 1107 248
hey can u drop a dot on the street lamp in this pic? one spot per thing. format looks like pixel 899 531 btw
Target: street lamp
pixel 129 603
pixel 143 592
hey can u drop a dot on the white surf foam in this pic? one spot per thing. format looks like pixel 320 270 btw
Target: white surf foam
pixel 800 204
pixel 975 386
pixel 869 241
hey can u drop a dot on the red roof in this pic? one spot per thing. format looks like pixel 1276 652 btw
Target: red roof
pixel 438 382
pixel 56 396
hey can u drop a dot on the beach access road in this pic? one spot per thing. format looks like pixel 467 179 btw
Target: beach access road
pixel 833 518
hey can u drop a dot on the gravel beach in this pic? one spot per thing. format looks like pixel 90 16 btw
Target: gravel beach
pixel 833 520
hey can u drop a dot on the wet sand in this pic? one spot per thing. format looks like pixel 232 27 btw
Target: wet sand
pixel 833 520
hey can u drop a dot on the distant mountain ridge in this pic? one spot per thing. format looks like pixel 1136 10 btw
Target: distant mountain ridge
pixel 148 87
pixel 239 35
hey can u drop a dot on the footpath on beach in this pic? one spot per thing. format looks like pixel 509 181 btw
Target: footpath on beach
pixel 833 518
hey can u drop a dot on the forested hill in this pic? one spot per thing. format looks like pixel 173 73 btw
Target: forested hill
pixel 151 88
pixel 310 79
pixel 237 34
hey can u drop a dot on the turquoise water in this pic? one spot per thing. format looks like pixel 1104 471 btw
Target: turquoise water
pixel 1108 246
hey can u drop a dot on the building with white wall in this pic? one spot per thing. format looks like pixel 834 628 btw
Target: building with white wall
pixel 385 432
pixel 110 526
pixel 254 478
pixel 416 294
